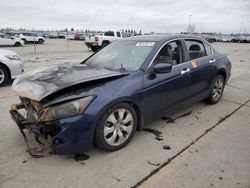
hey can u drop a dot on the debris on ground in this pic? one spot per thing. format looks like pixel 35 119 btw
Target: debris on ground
pixel 166 147
pixel 154 164
pixel 172 120
pixel 167 119
pixel 196 117
pixel 117 179
pixel 158 134
pixel 81 157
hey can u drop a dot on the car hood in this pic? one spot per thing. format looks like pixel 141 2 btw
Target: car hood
pixel 42 82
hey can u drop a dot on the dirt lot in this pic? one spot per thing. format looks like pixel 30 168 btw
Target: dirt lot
pixel 197 156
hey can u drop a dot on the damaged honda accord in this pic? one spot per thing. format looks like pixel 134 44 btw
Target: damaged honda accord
pixel 116 91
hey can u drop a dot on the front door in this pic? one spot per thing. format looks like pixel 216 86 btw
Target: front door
pixel 161 91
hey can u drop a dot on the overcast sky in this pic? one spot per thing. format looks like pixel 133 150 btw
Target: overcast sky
pixel 148 15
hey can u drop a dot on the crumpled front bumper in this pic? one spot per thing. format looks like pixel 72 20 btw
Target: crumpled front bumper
pixel 43 148
pixel 71 135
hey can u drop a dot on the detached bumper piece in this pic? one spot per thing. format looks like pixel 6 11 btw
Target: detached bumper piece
pixel 43 149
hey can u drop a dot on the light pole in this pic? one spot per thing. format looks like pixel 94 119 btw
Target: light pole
pixel 189 24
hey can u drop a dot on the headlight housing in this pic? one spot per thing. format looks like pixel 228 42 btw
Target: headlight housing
pixel 13 57
pixel 67 109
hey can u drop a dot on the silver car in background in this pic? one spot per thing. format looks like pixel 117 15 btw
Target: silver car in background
pixel 11 66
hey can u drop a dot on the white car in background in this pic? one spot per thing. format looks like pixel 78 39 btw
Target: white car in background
pixel 30 38
pixel 6 40
pixel 11 66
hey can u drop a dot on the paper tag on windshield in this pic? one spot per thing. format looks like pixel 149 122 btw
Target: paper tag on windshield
pixel 145 44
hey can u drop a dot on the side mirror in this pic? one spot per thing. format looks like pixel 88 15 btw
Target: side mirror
pixel 162 68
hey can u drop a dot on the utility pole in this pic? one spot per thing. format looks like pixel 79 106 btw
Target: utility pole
pixel 34 42
pixel 189 24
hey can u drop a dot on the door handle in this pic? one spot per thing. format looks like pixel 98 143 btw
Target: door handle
pixel 185 71
pixel 212 60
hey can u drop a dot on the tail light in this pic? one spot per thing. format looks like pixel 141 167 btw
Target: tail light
pixel 96 39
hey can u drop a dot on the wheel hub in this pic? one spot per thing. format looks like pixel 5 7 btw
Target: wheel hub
pixel 118 127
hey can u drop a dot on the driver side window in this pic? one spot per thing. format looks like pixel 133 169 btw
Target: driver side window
pixel 170 54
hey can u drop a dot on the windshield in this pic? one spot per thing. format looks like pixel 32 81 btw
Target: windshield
pixel 122 55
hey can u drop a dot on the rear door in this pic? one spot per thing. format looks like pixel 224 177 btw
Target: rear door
pixel 162 91
pixel 201 58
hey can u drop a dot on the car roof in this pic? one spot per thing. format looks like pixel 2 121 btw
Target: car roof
pixel 161 38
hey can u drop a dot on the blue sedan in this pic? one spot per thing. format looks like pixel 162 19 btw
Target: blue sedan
pixel 116 91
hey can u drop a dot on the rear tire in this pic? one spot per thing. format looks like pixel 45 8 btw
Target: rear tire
pixel 17 44
pixel 105 44
pixel 116 127
pixel 94 48
pixel 40 41
pixel 217 89
pixel 4 76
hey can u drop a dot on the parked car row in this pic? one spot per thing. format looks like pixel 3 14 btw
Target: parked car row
pixel 228 38
pixel 64 35
pixel 19 39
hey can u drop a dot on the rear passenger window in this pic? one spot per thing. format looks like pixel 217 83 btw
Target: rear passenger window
pixel 208 49
pixel 196 49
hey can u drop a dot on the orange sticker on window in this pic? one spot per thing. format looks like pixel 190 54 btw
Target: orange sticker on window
pixel 194 65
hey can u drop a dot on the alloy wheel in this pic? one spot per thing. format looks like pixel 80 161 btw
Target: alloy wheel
pixel 217 89
pixel 118 127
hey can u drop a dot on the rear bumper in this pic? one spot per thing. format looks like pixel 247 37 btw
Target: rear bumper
pixel 71 135
pixel 90 44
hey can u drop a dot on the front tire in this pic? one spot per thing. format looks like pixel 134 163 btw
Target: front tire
pixel 216 90
pixel 4 76
pixel 25 41
pixel 116 128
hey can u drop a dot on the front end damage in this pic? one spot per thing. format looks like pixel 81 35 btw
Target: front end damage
pixel 27 115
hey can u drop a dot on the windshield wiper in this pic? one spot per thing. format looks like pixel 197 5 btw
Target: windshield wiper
pixel 123 69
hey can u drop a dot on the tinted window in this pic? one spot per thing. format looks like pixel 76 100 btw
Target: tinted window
pixel 196 49
pixel 170 53
pixel 118 34
pixel 109 33
pixel 208 49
